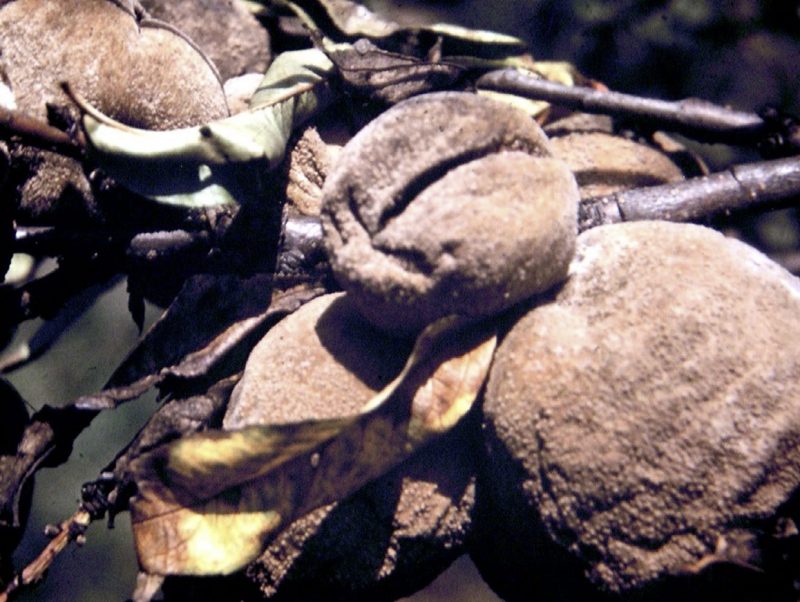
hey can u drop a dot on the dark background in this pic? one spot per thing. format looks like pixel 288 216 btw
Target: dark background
pixel 743 53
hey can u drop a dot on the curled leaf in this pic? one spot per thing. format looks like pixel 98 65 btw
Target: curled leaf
pixel 346 19
pixel 219 162
pixel 355 20
pixel 208 503
pixel 210 323
pixel 457 40
pixel 389 76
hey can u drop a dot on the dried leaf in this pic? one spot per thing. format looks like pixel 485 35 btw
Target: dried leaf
pixel 353 20
pixel 348 21
pixel 220 162
pixel 208 503
pixel 174 419
pixel 211 319
pixel 389 76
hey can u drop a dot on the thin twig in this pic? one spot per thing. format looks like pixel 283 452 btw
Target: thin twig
pixel 696 118
pixel 37 133
pixel 71 529
pixel 767 184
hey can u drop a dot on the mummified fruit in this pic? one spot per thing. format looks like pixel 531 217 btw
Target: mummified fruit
pixel 226 31
pixel 645 422
pixel 397 533
pixel 448 203
pixel 139 72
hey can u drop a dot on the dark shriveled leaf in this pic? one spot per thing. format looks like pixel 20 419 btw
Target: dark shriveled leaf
pixel 389 76
pixel 208 503
pixel 175 419
pixel 46 441
pixel 210 319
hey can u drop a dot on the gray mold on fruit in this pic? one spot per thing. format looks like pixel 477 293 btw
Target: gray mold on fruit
pixel 447 203
pixel 140 73
pixel 644 420
pixel 604 163
pixel 397 533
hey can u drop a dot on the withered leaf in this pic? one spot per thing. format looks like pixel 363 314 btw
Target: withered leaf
pixel 389 76
pixel 174 419
pixel 212 318
pixel 208 503
pixel 349 20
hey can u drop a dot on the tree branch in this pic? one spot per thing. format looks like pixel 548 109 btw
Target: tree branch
pixel 699 119
pixel 72 529
pixel 766 184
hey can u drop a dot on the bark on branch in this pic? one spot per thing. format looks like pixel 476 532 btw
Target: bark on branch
pixel 696 118
pixel 766 184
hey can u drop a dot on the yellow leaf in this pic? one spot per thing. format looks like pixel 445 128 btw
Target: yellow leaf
pixel 208 503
